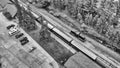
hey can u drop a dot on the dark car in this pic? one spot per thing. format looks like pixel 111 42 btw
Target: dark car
pixel 24 41
pixel 10 26
pixel 19 35
pixel 24 38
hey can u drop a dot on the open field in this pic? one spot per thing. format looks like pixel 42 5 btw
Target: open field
pixel 54 48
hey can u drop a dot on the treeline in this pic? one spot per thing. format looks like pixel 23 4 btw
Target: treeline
pixel 26 19
pixel 103 18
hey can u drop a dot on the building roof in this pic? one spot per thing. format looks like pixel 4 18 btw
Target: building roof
pixel 11 8
pixel 79 60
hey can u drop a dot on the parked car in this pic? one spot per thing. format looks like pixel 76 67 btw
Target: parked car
pixel 10 26
pixel 32 49
pixel 24 41
pixel 11 33
pixel 19 35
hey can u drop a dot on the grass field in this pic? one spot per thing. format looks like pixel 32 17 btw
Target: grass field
pixel 54 48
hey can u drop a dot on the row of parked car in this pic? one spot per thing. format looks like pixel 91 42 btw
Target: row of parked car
pixel 14 31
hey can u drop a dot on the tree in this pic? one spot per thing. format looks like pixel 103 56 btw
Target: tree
pixel 104 30
pixel 118 9
pixel 79 17
pixel 45 35
pixel 97 27
pixel 19 12
pixel 114 22
pixel 55 3
pixel 62 5
pixel 90 20
pixel 8 15
pixel 94 21
pixel 86 21
pixel 112 37
pixel 103 3
pixel 117 37
pixel 46 4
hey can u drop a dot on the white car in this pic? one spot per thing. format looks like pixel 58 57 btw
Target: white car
pixel 11 33
pixel 13 30
pixel 32 49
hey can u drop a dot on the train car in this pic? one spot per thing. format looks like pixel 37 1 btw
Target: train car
pixel 78 36
pixel 84 50
pixel 50 26
pixel 35 15
pixel 63 38
pixel 62 34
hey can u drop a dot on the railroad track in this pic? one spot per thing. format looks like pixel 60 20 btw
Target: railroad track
pixel 77 46
pixel 100 58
